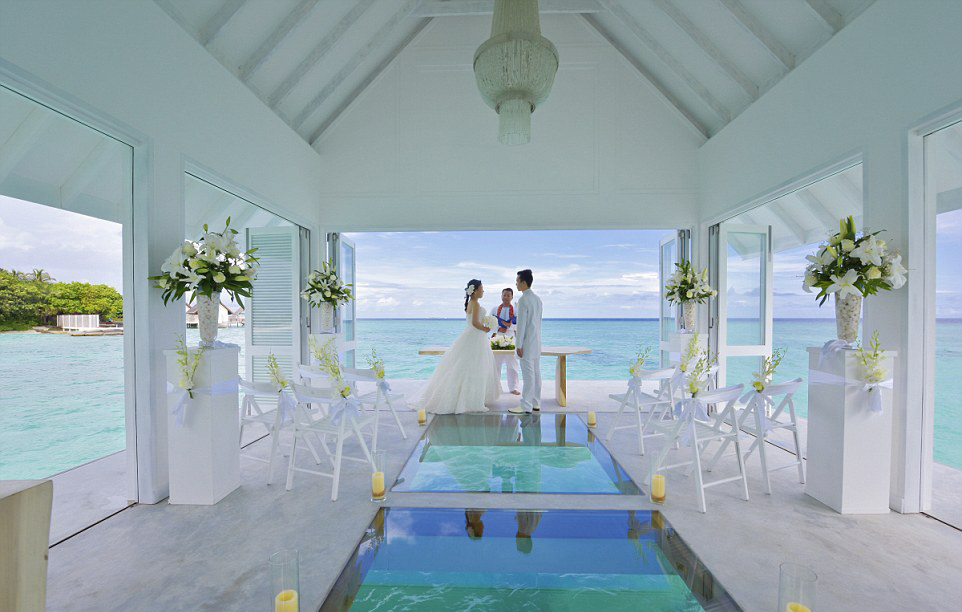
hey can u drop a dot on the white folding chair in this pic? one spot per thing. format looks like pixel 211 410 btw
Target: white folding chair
pixel 694 426
pixel 381 395
pixel 657 405
pixel 753 419
pixel 343 425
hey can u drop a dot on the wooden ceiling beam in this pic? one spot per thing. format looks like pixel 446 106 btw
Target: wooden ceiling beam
pixel 827 15
pixel 452 8
pixel 759 31
pixel 216 23
pixel 276 37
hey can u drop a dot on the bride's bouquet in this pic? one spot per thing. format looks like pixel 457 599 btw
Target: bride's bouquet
pixel 490 321
pixel 502 342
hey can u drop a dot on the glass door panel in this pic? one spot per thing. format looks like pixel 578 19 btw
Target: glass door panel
pixel 347 314
pixel 668 321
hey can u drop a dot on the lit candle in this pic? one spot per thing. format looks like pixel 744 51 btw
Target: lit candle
pixel 422 417
pixel 592 418
pixel 286 601
pixel 377 485
pixel 658 488
pixel 796 607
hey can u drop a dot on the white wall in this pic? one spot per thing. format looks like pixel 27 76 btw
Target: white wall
pixel 418 149
pixel 890 70
pixel 127 60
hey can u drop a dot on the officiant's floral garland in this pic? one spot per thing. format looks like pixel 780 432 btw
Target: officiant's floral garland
pixel 853 263
pixel 207 266
pixel 764 376
pixel 687 285
pixel 187 363
pixel 325 287
pixel 635 368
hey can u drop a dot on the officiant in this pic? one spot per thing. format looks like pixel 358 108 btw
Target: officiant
pixel 506 322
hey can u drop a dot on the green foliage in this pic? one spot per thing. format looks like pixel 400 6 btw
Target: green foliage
pixel 28 299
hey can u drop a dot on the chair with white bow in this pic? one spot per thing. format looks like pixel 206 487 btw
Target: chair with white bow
pixel 274 420
pixel 381 396
pixel 693 426
pixel 340 420
pixel 658 405
pixel 754 419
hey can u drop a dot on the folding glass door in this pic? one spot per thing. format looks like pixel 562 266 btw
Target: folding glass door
pixel 343 251
pixel 672 249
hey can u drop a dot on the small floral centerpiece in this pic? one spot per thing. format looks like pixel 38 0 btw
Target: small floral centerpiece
pixel 205 268
pixel 687 287
pixel 691 355
pixel 636 367
pixel 325 291
pixel 852 265
pixel 187 364
pixel 376 363
pixel 277 377
pixel 763 377
pixel 502 342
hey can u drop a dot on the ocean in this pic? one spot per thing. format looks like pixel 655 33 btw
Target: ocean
pixel 61 397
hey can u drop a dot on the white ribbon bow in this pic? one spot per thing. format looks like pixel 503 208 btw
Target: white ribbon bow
pixel 383 386
pixel 757 401
pixel 870 393
pixel 346 405
pixel 222 388
pixel 685 411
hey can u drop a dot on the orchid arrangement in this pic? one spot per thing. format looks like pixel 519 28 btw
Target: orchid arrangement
pixel 374 362
pixel 207 266
pixel 763 377
pixel 697 379
pixel 871 361
pixel 635 368
pixel 277 377
pixel 853 263
pixel 325 287
pixel 329 363
pixel 187 363
pixel 502 342
pixel 687 285
pixel 691 354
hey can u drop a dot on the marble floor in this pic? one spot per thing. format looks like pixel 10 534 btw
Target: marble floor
pixel 164 557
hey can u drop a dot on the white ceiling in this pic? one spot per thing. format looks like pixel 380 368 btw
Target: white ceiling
pixel 307 60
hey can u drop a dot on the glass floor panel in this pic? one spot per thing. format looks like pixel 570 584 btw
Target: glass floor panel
pixel 430 559
pixel 507 453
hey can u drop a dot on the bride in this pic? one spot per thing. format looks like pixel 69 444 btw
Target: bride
pixel 465 380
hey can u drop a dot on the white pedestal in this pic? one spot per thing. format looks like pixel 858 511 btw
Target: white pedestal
pixel 849 446
pixel 678 344
pixel 204 453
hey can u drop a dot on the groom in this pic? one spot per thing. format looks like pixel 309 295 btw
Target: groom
pixel 528 343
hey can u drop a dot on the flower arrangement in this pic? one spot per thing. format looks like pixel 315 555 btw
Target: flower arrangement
pixel 277 377
pixel 325 287
pixel 374 362
pixel 635 368
pixel 187 363
pixel 502 342
pixel 692 353
pixel 698 377
pixel 763 377
pixel 329 363
pixel 207 266
pixel 687 285
pixel 853 263
pixel 871 361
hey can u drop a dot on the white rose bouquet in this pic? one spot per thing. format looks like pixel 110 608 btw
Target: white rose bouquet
pixel 635 368
pixel 763 378
pixel 206 266
pixel 502 342
pixel 687 285
pixel 853 263
pixel 324 286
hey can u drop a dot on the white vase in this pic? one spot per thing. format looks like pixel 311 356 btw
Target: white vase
pixel 688 311
pixel 847 313
pixel 208 311
pixel 327 317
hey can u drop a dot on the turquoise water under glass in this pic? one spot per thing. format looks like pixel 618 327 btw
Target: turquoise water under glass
pixel 413 560
pixel 530 453
pixel 62 400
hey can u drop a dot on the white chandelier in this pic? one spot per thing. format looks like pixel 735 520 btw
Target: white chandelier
pixel 515 68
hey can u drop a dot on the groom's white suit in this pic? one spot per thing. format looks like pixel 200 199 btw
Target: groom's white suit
pixel 528 339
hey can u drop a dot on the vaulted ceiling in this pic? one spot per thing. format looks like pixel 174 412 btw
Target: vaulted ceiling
pixel 307 60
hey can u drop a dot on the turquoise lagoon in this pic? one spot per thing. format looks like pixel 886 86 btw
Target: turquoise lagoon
pixel 62 404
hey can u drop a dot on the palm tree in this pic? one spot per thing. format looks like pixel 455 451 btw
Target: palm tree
pixel 39 275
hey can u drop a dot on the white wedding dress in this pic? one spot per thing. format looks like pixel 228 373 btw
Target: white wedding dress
pixel 464 380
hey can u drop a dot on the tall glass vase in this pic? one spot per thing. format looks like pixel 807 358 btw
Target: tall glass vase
pixel 208 311
pixel 848 310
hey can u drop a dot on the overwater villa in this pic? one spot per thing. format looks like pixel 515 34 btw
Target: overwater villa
pixel 270 467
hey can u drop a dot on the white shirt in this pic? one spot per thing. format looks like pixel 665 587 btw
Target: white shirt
pixel 494 313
